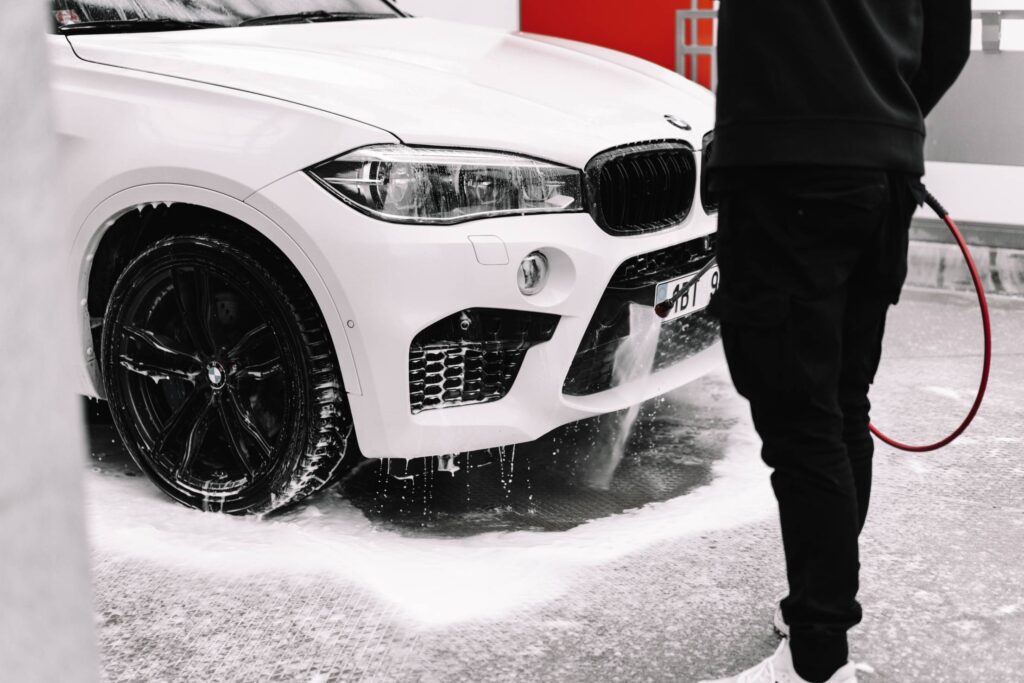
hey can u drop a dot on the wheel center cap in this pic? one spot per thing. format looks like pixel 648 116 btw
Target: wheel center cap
pixel 216 375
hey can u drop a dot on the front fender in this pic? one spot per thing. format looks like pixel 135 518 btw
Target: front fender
pixel 95 226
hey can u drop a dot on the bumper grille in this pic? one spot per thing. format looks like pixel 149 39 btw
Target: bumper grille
pixel 593 368
pixel 642 188
pixel 473 356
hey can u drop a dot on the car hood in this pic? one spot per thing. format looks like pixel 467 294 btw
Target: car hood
pixel 433 82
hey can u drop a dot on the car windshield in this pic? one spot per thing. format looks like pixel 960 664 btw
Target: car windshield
pixel 116 16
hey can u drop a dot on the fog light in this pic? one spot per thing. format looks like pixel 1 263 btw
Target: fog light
pixel 533 273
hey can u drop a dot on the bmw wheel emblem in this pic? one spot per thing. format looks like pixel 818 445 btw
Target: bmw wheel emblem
pixel 678 122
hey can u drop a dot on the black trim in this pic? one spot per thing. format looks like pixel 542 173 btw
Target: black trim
pixel 708 198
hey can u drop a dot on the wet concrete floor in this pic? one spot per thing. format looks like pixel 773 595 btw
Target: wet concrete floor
pixel 585 597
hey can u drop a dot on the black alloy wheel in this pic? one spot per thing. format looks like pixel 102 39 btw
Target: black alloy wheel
pixel 221 377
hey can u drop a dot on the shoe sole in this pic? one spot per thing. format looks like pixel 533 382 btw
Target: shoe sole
pixel 779 625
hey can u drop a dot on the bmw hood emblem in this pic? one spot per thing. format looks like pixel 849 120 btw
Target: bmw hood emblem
pixel 678 122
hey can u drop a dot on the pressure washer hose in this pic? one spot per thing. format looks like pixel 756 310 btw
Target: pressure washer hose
pixel 663 309
pixel 986 324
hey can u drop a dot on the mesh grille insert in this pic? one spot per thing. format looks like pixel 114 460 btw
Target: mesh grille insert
pixel 473 356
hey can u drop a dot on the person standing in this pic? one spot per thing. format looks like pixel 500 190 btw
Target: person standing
pixel 817 153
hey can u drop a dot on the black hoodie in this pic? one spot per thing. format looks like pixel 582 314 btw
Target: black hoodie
pixel 834 82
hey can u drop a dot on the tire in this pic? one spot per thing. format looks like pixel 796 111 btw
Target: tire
pixel 221 377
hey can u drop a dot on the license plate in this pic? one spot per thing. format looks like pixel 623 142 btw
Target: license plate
pixel 696 299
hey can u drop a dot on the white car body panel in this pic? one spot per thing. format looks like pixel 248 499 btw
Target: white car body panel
pixel 427 272
pixel 123 145
pixel 229 118
pixel 429 82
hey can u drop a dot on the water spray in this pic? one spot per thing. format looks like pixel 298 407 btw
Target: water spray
pixel 923 196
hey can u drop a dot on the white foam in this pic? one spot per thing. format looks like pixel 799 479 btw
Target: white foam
pixel 945 392
pixel 433 580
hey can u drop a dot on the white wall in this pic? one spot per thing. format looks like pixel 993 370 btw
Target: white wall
pixel 46 614
pixel 497 13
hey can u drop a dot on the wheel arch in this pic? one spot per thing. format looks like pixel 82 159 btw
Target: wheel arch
pixel 123 224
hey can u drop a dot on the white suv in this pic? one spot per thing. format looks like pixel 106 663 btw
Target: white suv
pixel 289 229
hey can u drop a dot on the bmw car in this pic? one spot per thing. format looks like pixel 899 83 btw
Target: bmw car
pixel 303 232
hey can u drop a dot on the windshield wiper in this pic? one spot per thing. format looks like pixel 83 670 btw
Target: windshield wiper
pixel 135 26
pixel 308 17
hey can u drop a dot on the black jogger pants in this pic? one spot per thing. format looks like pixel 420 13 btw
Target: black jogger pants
pixel 811 259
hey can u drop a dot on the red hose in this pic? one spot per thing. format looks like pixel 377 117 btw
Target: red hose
pixel 986 325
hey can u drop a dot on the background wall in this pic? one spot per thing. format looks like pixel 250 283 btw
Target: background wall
pixel 502 14
pixel 646 29
pixel 46 615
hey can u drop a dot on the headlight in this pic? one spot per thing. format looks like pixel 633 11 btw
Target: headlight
pixel 445 186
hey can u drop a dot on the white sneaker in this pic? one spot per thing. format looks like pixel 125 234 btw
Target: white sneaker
pixel 779 669
pixel 779 622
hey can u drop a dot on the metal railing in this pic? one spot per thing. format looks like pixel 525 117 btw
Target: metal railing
pixel 689 50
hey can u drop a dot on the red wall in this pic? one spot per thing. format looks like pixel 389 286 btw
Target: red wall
pixel 645 28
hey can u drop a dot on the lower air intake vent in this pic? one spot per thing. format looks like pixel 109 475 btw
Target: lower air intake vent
pixel 593 368
pixel 473 356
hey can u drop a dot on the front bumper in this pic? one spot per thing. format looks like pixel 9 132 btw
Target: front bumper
pixel 390 282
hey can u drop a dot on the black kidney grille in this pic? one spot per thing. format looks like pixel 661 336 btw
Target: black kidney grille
pixel 642 188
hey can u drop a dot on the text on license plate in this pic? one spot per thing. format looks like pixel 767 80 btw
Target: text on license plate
pixel 696 299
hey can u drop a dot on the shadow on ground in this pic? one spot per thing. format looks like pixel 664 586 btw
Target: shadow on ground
pixel 546 485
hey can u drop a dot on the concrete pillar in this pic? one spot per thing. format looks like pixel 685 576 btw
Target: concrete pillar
pixel 46 622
